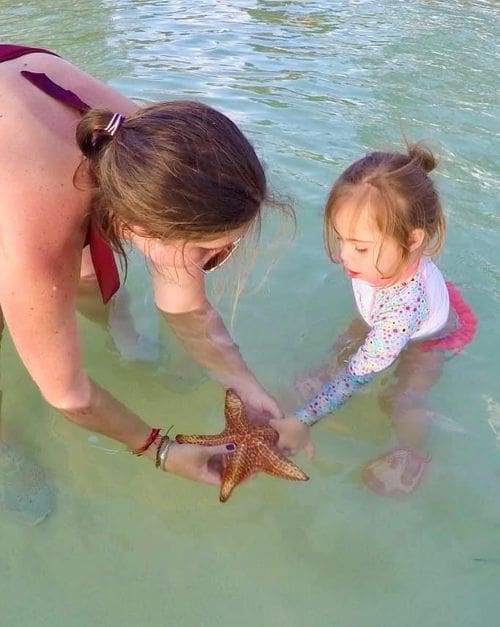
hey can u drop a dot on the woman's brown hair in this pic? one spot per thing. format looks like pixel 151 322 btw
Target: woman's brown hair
pixel 399 192
pixel 177 170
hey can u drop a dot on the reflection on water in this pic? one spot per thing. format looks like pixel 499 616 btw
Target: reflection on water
pixel 81 32
pixel 314 84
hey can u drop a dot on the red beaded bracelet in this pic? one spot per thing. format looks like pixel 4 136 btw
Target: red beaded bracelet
pixel 153 434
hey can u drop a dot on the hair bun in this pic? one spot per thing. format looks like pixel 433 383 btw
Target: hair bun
pixel 421 155
pixel 91 133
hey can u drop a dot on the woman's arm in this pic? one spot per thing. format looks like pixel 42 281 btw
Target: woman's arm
pixel 181 298
pixel 38 304
pixel 37 294
pixel 41 239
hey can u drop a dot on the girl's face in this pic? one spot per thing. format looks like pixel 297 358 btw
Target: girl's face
pixel 364 252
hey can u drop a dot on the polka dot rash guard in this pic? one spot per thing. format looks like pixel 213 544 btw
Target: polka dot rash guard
pixel 395 314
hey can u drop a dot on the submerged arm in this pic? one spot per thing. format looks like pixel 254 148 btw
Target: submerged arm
pixel 183 303
pixel 332 396
pixel 39 307
pixel 205 336
pixel 38 300
pixel 391 331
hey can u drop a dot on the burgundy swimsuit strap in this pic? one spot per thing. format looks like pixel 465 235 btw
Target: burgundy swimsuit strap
pixel 43 82
pixel 100 251
pixel 14 51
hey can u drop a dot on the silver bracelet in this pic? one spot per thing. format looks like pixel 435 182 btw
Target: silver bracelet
pixel 164 449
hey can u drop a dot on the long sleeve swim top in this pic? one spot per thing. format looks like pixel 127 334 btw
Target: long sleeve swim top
pixel 412 309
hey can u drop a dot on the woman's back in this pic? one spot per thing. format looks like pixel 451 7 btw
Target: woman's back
pixel 40 156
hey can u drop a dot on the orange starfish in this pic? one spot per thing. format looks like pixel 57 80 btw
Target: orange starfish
pixel 255 448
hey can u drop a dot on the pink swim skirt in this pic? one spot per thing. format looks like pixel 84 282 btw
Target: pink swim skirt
pixel 455 341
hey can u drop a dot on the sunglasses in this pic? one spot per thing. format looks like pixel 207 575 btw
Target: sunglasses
pixel 220 258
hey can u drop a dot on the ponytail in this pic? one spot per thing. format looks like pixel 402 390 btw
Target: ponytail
pixel 95 131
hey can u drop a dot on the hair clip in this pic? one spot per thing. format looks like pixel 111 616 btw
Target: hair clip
pixel 114 124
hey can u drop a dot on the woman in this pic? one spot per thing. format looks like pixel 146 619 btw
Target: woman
pixel 177 179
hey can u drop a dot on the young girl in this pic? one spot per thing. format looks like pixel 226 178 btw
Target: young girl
pixel 384 222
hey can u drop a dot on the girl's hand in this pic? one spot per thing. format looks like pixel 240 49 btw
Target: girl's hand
pixel 198 463
pixel 294 436
pixel 260 405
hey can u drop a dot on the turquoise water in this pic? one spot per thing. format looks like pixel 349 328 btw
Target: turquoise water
pixel 314 84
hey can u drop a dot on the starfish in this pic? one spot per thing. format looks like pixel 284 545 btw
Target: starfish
pixel 255 448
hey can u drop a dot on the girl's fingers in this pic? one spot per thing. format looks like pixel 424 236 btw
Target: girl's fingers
pixel 276 423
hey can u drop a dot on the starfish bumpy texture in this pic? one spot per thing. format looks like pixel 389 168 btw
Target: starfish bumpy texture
pixel 255 448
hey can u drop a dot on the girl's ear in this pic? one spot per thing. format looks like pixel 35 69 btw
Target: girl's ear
pixel 416 239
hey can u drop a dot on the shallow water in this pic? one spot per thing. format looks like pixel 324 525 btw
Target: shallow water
pixel 314 84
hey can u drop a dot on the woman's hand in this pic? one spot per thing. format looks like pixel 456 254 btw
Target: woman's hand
pixel 294 435
pixel 195 462
pixel 259 404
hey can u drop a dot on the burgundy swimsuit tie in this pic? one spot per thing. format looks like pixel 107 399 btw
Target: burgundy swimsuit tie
pixel 43 82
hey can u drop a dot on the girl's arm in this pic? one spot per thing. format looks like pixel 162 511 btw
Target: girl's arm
pixel 391 330
pixel 332 395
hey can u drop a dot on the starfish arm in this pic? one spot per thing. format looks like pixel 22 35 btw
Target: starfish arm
pixel 204 440
pixel 234 411
pixel 238 467
pixel 273 463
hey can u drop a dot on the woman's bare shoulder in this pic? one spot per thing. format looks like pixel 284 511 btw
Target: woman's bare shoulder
pixel 91 90
pixel 39 201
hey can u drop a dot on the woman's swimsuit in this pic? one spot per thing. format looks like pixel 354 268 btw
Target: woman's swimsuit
pixel 102 255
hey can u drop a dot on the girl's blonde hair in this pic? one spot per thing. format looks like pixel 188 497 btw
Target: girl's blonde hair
pixel 401 195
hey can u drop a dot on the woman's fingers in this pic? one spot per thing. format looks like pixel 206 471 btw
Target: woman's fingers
pixel 273 410
pixel 221 449
pixel 211 476
pixel 212 470
pixel 310 450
